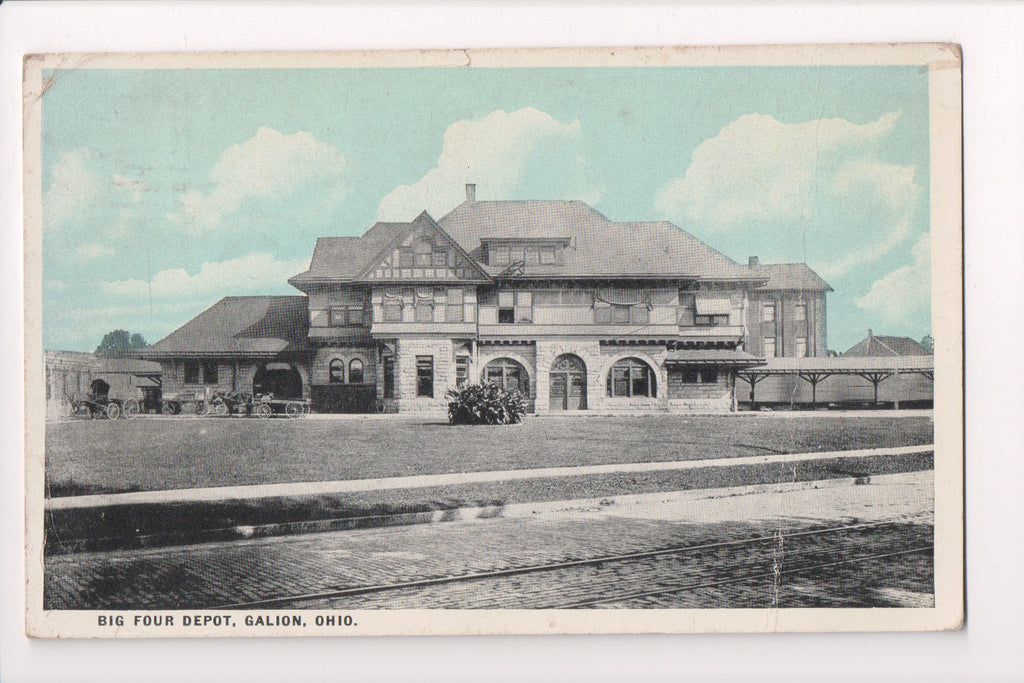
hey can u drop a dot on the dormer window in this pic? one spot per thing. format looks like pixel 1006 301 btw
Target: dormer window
pixel 499 256
pixel 547 255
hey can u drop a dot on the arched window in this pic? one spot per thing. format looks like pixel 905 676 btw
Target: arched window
pixel 337 371
pixel 508 374
pixel 355 371
pixel 632 377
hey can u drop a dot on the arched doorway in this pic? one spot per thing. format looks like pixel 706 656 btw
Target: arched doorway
pixel 568 378
pixel 280 379
pixel 508 374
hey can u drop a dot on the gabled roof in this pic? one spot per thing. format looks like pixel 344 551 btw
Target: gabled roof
pixel 598 247
pixel 873 346
pixel 790 276
pixel 343 258
pixel 423 222
pixel 240 326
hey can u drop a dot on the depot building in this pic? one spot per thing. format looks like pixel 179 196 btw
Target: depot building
pixel 578 312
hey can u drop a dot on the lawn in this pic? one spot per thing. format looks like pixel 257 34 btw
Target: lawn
pixel 147 454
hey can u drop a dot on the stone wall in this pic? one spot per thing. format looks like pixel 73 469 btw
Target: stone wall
pixel 406 351
pixel 703 397
pixel 321 364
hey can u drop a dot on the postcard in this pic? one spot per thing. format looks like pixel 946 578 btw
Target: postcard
pixel 624 340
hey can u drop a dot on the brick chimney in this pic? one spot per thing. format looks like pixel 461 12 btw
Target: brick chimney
pixel 870 335
pixel 470 192
pixel 753 262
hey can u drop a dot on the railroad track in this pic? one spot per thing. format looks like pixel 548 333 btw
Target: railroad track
pixel 571 584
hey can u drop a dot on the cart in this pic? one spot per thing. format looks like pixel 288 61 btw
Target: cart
pixel 267 405
pixel 185 401
pixel 98 405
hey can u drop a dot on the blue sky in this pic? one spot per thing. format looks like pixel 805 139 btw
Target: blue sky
pixel 164 190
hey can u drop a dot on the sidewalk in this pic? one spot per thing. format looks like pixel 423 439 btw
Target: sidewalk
pixel 227 493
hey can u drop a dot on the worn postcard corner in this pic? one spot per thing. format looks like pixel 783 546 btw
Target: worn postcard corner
pixel 638 340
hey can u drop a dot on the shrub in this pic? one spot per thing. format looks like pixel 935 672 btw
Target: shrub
pixel 489 404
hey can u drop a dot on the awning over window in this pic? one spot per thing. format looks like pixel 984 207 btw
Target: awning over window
pixel 714 306
pixel 711 357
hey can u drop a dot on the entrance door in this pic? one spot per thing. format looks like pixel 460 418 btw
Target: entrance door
pixel 568 383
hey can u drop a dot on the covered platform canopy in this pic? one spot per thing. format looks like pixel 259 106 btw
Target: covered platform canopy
pixel 816 370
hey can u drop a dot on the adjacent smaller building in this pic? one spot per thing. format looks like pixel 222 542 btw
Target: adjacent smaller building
pixel 71 373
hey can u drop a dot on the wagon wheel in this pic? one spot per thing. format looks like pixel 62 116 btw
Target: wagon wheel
pixel 202 408
pixel 167 408
pixel 130 408
pixel 221 409
pixel 113 411
pixel 293 409
pixel 263 411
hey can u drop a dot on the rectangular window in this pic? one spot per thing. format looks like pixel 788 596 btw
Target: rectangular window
pixel 405 258
pixel 690 376
pixel 620 314
pixel 191 372
pixel 709 375
pixel 422 260
pixel 801 347
pixel 524 307
pixel 337 316
pixel 461 371
pixel 210 372
pixel 768 313
pixel 800 313
pixel 506 307
pixel 602 315
pixel 516 254
pixel 393 312
pixel 769 347
pixel 425 376
pixel 532 257
pixel 424 312
pixel 454 311
pixel 389 377
pixel 547 255
pixel 440 258
pixel 710 320
pixel 499 256
pixel 639 315
pixel 354 315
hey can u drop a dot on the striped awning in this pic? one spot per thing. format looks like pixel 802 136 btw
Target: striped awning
pixel 713 306
pixel 712 357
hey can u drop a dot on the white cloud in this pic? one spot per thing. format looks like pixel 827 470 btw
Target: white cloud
pixel 246 274
pixel 490 152
pixel 758 167
pixel 268 165
pixel 72 189
pixel 87 252
pixel 905 292
pixel 818 180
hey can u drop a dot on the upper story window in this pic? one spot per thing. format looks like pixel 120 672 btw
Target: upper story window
pixel 454 311
pixel 515 307
pixel 710 320
pixel 405 258
pixel 346 315
pixel 547 255
pixel 801 347
pixel 769 347
pixel 800 312
pixel 768 313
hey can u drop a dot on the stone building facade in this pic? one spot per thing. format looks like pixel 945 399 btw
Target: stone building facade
pixel 577 312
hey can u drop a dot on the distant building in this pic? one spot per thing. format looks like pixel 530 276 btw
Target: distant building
pixel 549 297
pixel 71 373
pixel 875 346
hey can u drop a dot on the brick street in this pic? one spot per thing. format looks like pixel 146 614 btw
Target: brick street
pixel 220 574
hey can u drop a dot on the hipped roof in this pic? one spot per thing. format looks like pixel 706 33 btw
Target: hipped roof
pixel 241 326
pixel 597 247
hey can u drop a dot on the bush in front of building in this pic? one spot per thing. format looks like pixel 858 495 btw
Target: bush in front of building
pixel 485 404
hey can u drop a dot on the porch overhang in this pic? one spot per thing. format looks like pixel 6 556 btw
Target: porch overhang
pixel 723 357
